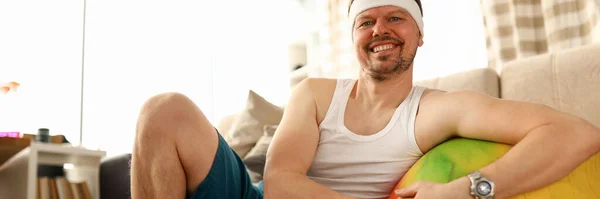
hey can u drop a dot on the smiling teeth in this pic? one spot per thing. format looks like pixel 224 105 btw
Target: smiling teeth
pixel 383 47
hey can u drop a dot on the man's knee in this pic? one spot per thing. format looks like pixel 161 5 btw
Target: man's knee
pixel 165 111
pixel 166 103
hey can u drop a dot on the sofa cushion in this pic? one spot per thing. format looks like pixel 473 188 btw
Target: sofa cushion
pixel 568 81
pixel 483 80
pixel 247 128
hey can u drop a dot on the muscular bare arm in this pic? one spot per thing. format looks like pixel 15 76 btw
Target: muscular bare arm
pixel 293 149
pixel 540 135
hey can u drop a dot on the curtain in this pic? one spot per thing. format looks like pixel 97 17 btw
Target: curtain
pixel 338 50
pixel 516 29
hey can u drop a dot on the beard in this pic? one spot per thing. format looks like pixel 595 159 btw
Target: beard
pixel 376 69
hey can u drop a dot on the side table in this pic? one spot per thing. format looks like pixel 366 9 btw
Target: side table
pixel 18 175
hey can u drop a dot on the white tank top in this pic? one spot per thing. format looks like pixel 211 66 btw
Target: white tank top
pixel 365 166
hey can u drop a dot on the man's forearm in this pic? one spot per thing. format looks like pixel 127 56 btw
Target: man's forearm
pixel 290 185
pixel 547 154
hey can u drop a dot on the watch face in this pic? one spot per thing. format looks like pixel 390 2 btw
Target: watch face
pixel 484 188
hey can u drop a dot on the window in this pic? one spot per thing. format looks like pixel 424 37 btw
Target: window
pixel 454 39
pixel 41 48
pixel 210 51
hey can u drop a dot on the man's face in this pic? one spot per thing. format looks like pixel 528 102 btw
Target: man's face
pixel 386 40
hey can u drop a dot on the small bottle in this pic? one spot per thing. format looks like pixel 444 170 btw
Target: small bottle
pixel 43 135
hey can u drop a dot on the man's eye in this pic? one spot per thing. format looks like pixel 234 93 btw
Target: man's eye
pixel 367 23
pixel 395 19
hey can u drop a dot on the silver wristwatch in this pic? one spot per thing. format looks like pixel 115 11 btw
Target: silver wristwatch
pixel 481 187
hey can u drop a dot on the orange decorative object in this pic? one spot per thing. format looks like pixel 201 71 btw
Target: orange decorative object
pixel 7 87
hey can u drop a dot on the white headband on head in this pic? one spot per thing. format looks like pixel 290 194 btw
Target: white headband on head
pixel 359 6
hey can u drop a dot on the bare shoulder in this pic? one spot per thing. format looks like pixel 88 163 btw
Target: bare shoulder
pixel 440 113
pixel 429 94
pixel 317 85
pixel 439 102
pixel 313 88
pixel 295 142
pixel 434 97
pixel 322 90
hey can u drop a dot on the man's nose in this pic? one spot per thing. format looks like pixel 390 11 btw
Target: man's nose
pixel 380 28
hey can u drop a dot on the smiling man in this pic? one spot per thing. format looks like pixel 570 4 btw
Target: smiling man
pixel 355 138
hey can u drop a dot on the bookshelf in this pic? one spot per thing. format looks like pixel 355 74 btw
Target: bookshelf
pixel 18 175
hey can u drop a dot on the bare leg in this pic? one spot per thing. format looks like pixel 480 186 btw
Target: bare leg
pixel 174 148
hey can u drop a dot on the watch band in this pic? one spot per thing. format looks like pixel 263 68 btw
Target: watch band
pixel 481 187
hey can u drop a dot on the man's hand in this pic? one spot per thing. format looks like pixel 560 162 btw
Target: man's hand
pixel 426 190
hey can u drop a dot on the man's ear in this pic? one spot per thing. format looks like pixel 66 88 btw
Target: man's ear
pixel 420 40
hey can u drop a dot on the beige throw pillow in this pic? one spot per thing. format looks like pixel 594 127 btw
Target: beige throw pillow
pixel 247 128
pixel 261 146
pixel 255 159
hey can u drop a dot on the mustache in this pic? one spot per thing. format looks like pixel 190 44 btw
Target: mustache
pixel 383 38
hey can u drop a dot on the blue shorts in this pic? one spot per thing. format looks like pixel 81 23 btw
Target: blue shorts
pixel 227 177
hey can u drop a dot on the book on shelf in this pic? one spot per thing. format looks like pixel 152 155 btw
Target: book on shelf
pixel 60 188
